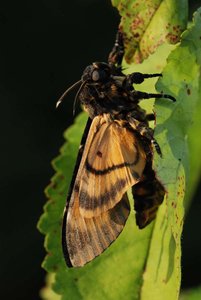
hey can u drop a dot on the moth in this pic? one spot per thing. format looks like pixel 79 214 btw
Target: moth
pixel 115 154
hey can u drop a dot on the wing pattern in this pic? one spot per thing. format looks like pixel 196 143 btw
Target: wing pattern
pixel 86 238
pixel 113 161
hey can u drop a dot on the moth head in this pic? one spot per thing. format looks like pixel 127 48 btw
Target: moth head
pixel 98 72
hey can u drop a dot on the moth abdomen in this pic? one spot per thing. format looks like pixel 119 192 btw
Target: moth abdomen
pixel 148 195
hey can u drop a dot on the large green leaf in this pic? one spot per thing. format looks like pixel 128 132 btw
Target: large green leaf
pixel 149 23
pixel 175 132
pixel 141 264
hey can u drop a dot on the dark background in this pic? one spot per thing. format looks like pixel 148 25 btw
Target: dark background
pixel 45 45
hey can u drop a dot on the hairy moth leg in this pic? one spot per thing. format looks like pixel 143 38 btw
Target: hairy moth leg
pixel 116 55
pixel 142 95
pixel 145 132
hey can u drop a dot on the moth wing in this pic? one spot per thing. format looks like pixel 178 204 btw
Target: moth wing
pixel 85 238
pixel 114 162
pixel 87 235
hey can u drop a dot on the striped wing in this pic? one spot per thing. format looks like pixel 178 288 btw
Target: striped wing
pixel 86 238
pixel 112 162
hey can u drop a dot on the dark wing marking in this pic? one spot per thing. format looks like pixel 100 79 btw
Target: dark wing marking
pixel 114 162
pixel 85 238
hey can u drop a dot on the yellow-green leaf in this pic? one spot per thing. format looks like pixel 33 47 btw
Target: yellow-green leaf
pixel 146 24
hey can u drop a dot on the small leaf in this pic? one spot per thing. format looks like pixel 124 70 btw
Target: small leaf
pixel 146 24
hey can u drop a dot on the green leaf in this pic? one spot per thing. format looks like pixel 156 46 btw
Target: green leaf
pixel 146 24
pixel 141 264
pixel 47 293
pixel 175 133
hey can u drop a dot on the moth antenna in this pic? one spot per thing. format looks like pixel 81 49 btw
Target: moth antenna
pixel 77 95
pixel 66 92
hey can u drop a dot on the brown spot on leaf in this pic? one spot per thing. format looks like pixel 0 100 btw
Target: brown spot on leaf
pixel 174 205
pixel 136 35
pixel 138 22
pixel 55 268
pixel 172 38
pixel 188 91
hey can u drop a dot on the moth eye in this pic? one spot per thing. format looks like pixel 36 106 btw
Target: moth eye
pixel 95 75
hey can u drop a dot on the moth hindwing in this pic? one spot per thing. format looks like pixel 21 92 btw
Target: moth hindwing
pixel 116 154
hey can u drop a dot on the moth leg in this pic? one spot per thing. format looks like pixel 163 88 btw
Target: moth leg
pixel 148 133
pixel 142 95
pixel 116 55
pixel 145 132
pixel 137 77
pixel 150 117
pixel 156 146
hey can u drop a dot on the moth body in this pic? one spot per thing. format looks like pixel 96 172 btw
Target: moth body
pixel 116 154
pixel 104 92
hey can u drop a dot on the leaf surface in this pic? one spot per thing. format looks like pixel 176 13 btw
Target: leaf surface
pixel 146 24
pixel 175 134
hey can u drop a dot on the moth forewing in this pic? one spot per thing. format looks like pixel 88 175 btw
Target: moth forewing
pixel 112 161
pixel 86 238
